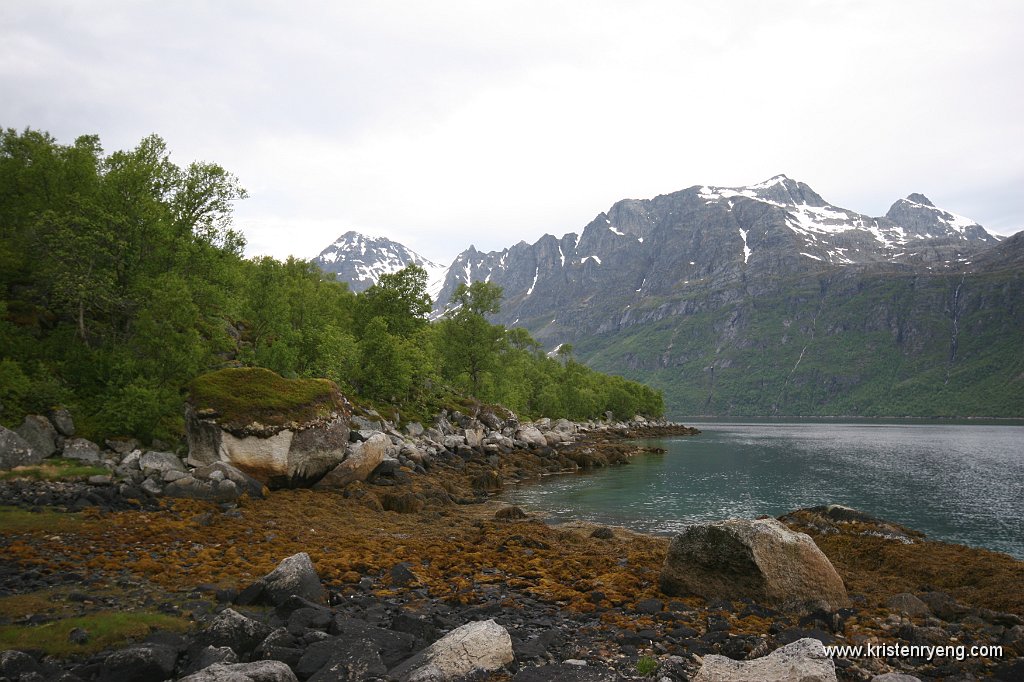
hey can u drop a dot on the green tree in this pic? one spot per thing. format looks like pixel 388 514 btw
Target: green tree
pixel 400 298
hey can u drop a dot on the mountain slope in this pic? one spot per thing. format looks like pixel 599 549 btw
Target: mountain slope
pixel 360 260
pixel 767 299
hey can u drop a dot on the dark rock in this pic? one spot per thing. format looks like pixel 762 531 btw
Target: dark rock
pixel 417 626
pixel 14 664
pixel 208 656
pixel 122 446
pixel 39 433
pixel 602 533
pixel 81 449
pixel 908 604
pixel 309 618
pixel 509 513
pixel 62 421
pixel 341 658
pixel 246 483
pixel 15 451
pixel 296 576
pixel 391 646
pixel 401 576
pixel 140 663
pixel 78 636
pixel 943 605
pixel 649 606
pixel 232 629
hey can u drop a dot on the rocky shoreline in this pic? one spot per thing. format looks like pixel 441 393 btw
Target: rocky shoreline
pixel 415 551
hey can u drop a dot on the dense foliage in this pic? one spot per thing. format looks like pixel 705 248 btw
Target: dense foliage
pixel 122 281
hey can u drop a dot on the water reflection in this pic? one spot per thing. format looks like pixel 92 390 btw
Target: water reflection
pixel 955 483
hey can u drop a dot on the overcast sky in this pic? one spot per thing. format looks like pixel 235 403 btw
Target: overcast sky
pixel 440 124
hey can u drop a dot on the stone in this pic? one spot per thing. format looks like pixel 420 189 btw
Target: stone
pixel 473 649
pixel 359 463
pixel 122 446
pixel 392 647
pixel 414 429
pixel 222 470
pixel 192 488
pixel 39 433
pixel 602 533
pixel 895 677
pixel 510 513
pixel 152 487
pixel 908 604
pixel 160 461
pixel 341 658
pixel 210 655
pixel 232 629
pixel 804 660
pixel 257 671
pixel 139 663
pixel 294 576
pixel 288 455
pixel 532 436
pixel 760 560
pixel 15 451
pixel 81 449
pixel 14 664
pixel 62 421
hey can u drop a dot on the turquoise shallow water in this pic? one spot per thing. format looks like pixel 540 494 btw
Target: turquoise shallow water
pixel 956 483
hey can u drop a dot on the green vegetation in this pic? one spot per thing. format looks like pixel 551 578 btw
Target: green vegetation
pixel 870 346
pixel 54 469
pixel 18 520
pixel 241 395
pixel 122 281
pixel 104 629
pixel 646 666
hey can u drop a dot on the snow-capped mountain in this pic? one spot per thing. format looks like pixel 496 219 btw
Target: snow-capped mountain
pixel 767 299
pixel 640 248
pixel 360 260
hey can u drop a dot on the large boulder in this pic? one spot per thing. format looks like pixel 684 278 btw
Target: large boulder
pixel 139 663
pixel 15 451
pixel 360 461
pixel 761 560
pixel 804 660
pixel 283 432
pixel 473 649
pixel 532 436
pixel 257 671
pixel 40 434
pixel 296 576
pixel 231 629
pixel 61 419
pixel 81 449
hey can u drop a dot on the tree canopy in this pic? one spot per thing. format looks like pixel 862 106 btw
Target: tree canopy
pixel 123 280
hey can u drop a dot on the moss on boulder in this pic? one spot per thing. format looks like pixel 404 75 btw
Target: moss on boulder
pixel 240 396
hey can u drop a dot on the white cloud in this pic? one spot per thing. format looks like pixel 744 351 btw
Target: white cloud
pixel 449 123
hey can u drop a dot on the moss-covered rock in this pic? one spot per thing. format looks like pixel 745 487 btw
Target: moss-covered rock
pixel 248 398
pixel 283 432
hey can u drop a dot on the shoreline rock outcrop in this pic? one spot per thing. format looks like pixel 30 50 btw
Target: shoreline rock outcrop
pixel 761 560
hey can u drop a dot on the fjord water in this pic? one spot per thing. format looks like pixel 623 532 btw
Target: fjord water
pixel 955 483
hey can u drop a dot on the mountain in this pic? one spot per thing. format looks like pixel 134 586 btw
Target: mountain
pixel 360 260
pixel 768 300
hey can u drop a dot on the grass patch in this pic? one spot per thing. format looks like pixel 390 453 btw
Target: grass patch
pixel 242 395
pixel 105 629
pixel 54 470
pixel 18 520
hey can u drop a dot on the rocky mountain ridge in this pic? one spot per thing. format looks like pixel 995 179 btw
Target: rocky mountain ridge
pixel 360 260
pixel 750 300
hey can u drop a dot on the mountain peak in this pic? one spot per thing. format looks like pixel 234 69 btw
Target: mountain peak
pixel 360 260
pixel 920 199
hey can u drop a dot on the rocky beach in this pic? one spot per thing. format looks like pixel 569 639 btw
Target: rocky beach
pixel 396 564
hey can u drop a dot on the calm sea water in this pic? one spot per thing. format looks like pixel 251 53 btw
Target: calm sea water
pixel 961 484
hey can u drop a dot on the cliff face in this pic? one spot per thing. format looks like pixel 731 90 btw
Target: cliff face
pixel 767 299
